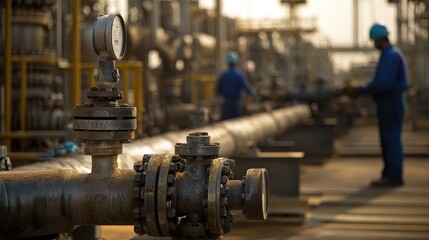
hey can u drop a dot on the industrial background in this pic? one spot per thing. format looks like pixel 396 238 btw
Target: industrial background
pixel 143 153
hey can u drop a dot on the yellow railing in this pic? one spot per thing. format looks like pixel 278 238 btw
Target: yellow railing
pixel 75 52
pixel 23 63
pixel 23 60
pixel 208 82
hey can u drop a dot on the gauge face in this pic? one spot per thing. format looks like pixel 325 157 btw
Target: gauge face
pixel 109 37
pixel 118 39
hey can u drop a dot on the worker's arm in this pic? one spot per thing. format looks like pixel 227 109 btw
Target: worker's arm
pixel 248 88
pixel 385 75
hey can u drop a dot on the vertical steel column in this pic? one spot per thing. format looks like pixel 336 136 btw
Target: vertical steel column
pixel 76 53
pixel 184 17
pixel 59 36
pixel 399 22
pixel 355 23
pixel 185 30
pixel 139 98
pixel 23 95
pixel 412 104
pixel 154 22
pixel 8 68
pixel 219 37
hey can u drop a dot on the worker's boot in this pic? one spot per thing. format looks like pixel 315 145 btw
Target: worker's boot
pixel 387 182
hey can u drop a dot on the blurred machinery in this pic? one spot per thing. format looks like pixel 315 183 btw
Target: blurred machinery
pixel 171 45
pixel 33 89
pixel 5 163
pixel 415 37
pixel 278 56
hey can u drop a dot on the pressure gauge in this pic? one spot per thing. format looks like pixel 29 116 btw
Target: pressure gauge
pixel 109 37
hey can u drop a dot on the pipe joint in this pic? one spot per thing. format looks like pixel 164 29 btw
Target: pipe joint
pixel 191 196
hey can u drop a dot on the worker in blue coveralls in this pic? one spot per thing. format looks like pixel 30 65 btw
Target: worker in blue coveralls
pixel 230 86
pixel 387 89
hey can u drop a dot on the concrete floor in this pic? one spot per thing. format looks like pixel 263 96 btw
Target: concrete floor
pixel 342 206
pixel 341 203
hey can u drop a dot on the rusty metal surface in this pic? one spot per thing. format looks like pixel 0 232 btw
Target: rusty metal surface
pixel 198 144
pixel 150 195
pixel 213 199
pixel 256 194
pixel 111 199
pixel 163 188
pixel 187 196
pixel 163 201
pixel 53 201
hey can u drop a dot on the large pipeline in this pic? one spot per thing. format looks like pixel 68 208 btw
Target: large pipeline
pixel 59 198
pixel 53 200
pixel 235 137
pixel 162 189
pixel 45 202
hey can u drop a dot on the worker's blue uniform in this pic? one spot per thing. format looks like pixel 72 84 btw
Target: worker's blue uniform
pixel 230 86
pixel 387 88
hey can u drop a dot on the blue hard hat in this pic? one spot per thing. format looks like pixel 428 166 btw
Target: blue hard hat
pixel 378 31
pixel 232 57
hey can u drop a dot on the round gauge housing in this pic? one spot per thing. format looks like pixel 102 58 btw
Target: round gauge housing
pixel 109 36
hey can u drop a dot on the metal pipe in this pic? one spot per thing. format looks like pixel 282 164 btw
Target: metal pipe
pixel 190 198
pixel 235 136
pixel 184 17
pixel 55 201
pixel 58 30
pixel 61 199
pixel 399 35
pixel 8 69
pixel 355 23
pixel 23 95
pixel 219 36
pixel 234 194
pixel 104 165
pixel 154 21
